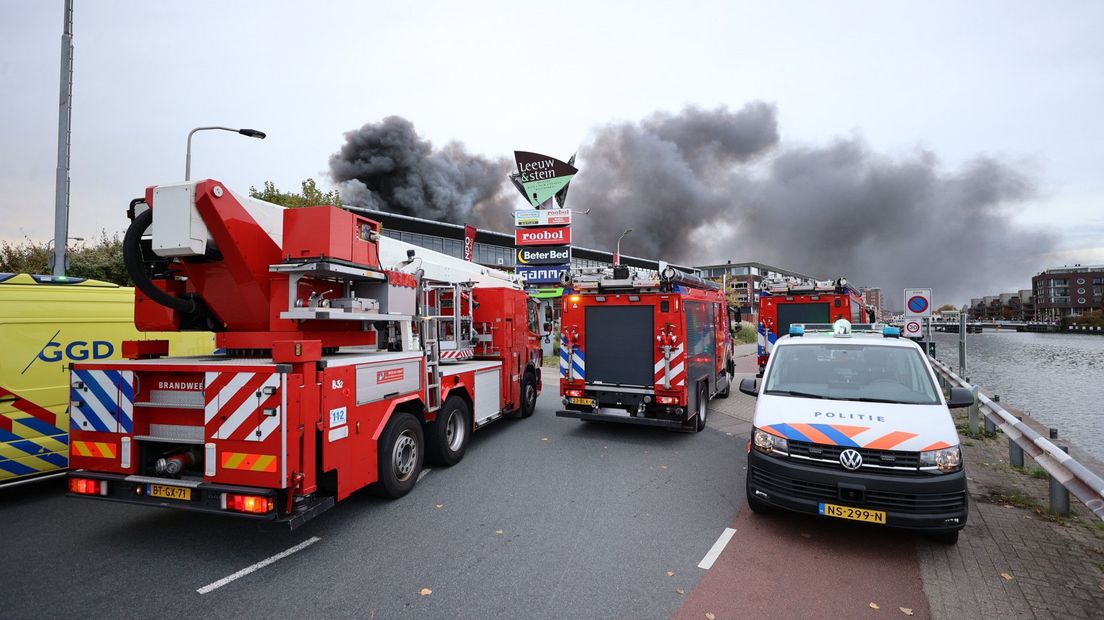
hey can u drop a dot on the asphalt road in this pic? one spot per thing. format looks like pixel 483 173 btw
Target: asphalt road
pixel 545 518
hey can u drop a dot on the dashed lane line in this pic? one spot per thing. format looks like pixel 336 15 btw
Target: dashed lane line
pixel 716 549
pixel 259 565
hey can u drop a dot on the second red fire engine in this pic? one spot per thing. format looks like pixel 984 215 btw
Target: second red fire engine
pixel 657 348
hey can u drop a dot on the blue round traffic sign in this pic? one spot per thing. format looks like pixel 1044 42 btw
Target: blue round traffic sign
pixel 917 303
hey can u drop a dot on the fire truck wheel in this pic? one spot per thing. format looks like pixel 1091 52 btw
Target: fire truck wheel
pixel 528 397
pixel 703 406
pixel 400 455
pixel 728 386
pixel 447 436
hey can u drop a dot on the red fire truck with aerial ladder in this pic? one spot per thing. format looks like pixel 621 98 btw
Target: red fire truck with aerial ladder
pixel 346 359
pixel 658 348
pixel 785 301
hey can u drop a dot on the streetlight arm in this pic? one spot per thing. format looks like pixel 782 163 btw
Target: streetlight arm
pixel 252 133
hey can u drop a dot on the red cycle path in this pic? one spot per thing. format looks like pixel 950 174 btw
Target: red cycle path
pixel 796 566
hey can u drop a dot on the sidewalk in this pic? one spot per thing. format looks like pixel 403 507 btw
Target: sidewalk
pixel 1013 560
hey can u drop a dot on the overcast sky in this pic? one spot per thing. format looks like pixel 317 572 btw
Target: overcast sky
pixel 1019 81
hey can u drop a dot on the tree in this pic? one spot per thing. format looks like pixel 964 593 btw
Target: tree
pixel 947 307
pixel 311 195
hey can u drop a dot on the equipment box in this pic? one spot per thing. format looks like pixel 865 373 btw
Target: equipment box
pixel 330 233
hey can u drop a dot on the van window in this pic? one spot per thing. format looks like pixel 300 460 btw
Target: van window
pixel 851 372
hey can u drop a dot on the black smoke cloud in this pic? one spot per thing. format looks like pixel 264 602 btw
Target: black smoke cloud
pixel 707 186
pixel 389 167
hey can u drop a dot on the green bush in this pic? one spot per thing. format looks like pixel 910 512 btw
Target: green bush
pixel 747 334
pixel 102 259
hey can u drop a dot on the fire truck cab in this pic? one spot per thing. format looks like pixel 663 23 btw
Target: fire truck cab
pixel 655 348
pixel 788 301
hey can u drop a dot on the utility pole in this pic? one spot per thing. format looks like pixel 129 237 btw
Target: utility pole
pixel 65 109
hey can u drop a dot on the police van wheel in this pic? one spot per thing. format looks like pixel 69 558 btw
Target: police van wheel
pixel 447 436
pixel 400 455
pixel 703 406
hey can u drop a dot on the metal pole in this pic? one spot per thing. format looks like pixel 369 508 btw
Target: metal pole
pixel 65 105
pixel 990 425
pixel 1059 494
pixel 973 411
pixel 1015 452
pixel 962 342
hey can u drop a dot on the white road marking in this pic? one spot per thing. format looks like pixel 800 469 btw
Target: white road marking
pixel 263 563
pixel 425 472
pixel 716 549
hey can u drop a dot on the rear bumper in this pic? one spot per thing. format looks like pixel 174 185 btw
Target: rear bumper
pixel 932 503
pixel 598 416
pixel 206 497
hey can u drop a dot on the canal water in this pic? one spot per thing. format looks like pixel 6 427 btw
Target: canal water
pixel 1057 378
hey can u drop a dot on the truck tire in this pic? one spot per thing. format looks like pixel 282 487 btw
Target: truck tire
pixel 728 386
pixel 528 396
pixel 447 435
pixel 703 406
pixel 401 450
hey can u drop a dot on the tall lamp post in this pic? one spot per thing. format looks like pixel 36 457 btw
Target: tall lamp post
pixel 617 252
pixel 251 133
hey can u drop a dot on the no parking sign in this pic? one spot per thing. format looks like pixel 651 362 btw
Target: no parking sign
pixel 917 303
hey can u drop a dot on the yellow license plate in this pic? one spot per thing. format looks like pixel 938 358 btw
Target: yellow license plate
pixel 168 492
pixel 855 514
pixel 588 402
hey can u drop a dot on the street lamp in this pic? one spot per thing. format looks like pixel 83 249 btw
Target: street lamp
pixel 251 133
pixel 617 253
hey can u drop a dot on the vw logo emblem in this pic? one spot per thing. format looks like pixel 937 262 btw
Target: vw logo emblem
pixel 851 459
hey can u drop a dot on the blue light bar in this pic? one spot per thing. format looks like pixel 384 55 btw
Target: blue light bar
pixel 891 332
pixel 797 330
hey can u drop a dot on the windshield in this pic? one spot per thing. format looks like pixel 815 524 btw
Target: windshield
pixel 848 371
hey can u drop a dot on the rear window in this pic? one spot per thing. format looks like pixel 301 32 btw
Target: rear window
pixel 848 371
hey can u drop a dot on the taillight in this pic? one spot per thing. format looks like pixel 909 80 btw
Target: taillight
pixel 574 392
pixel 87 486
pixel 667 400
pixel 253 504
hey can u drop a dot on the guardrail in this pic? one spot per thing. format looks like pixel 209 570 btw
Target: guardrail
pixel 1066 474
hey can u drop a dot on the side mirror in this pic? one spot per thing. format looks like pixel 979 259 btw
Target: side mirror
pixel 548 314
pixel 734 325
pixel 960 397
pixel 750 387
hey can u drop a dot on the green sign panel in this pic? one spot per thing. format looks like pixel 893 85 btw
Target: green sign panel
pixel 540 177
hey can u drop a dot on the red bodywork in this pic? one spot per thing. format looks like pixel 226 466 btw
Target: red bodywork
pixel 684 345
pixel 814 307
pixel 299 421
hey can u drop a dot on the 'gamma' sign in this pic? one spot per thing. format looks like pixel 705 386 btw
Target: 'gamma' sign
pixel 541 176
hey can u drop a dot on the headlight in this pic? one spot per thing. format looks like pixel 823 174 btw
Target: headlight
pixel 946 459
pixel 767 443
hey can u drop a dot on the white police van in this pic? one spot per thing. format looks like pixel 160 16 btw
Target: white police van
pixel 850 423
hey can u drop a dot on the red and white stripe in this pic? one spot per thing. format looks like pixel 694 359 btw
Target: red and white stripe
pixel 677 367
pixel 234 404
pixel 457 354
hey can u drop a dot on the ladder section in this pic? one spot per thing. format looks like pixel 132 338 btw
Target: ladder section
pixel 432 346
pixel 453 307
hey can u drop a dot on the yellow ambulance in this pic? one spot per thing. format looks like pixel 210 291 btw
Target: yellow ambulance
pixel 47 322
